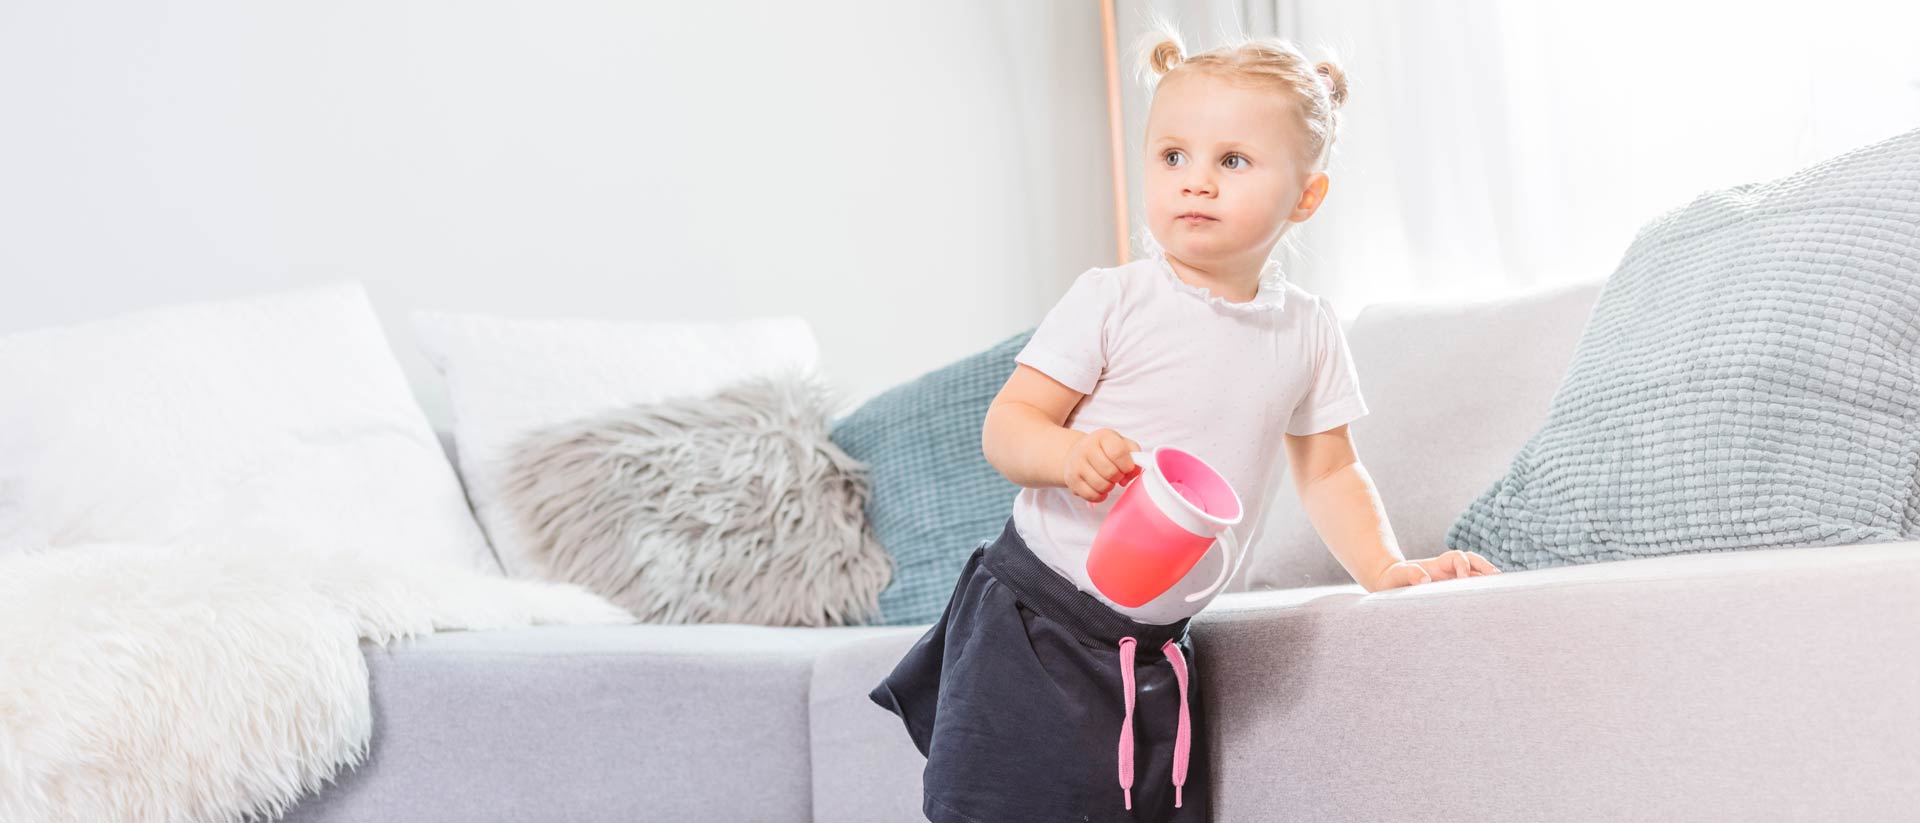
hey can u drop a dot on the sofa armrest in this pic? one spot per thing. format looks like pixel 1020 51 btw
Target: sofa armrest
pixel 1729 686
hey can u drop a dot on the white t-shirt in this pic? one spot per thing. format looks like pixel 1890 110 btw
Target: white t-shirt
pixel 1166 363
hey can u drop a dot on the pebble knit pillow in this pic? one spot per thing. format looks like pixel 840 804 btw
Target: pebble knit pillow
pixel 1749 378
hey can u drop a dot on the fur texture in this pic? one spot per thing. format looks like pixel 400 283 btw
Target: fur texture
pixel 141 683
pixel 730 508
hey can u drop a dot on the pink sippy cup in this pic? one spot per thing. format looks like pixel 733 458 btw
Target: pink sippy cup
pixel 1168 517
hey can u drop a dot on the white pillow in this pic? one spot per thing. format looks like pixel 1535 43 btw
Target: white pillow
pixel 509 377
pixel 278 423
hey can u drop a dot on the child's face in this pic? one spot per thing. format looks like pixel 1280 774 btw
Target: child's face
pixel 1228 152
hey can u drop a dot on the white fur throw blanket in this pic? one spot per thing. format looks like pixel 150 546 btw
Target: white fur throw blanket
pixel 142 683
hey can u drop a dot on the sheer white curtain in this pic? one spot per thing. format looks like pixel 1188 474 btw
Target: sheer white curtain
pixel 1497 145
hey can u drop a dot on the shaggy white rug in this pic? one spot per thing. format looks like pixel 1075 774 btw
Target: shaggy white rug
pixel 142 683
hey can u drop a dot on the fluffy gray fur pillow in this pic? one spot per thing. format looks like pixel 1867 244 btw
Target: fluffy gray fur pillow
pixel 731 508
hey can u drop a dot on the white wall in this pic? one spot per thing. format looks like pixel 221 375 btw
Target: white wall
pixel 918 180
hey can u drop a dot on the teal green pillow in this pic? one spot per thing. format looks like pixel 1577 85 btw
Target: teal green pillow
pixel 934 496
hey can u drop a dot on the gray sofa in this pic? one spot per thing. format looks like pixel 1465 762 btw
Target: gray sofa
pixel 1767 685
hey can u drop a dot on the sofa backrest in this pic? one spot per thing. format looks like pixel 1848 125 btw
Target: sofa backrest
pixel 1453 390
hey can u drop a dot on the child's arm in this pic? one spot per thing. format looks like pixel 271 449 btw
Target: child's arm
pixel 1344 507
pixel 1026 438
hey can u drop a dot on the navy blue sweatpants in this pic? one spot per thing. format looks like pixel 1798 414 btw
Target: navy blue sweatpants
pixel 1018 697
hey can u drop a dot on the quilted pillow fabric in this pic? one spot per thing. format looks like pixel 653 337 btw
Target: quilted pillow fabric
pixel 1749 378
pixel 934 495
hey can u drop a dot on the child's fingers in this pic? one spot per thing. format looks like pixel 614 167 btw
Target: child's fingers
pixel 1448 565
pixel 1481 565
pixel 1103 467
pixel 1097 483
pixel 1095 496
pixel 1085 492
pixel 1407 574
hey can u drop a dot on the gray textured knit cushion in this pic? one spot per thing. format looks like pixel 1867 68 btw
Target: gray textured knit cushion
pixel 733 508
pixel 1749 378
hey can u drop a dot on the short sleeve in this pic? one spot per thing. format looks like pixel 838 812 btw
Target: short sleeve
pixel 1070 344
pixel 1333 395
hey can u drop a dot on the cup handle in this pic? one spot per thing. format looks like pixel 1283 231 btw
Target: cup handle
pixel 1230 543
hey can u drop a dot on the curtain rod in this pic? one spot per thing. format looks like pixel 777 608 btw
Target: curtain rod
pixel 1115 132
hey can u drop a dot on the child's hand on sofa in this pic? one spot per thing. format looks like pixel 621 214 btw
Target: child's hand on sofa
pixel 1456 563
pixel 1403 573
pixel 1447 566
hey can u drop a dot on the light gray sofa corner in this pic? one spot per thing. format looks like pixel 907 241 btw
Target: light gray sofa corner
pixel 581 724
pixel 1733 686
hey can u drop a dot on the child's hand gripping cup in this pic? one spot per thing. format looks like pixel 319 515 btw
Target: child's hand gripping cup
pixel 1171 513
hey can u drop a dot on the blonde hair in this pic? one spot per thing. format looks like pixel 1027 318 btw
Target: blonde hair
pixel 1316 90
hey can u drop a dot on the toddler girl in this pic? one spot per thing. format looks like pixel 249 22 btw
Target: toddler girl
pixel 1018 695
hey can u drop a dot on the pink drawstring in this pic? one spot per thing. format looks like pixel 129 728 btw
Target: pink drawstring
pixel 1126 723
pixel 1182 740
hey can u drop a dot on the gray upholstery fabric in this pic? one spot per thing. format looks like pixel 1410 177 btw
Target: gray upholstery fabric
pixel 627 723
pixel 1765 685
pixel 1753 686
pixel 870 770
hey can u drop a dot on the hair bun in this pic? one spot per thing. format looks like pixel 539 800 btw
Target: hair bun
pixel 1165 55
pixel 1336 81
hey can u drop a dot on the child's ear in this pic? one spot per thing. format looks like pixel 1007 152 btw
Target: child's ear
pixel 1311 197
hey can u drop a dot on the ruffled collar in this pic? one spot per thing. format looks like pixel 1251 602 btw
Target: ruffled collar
pixel 1270 296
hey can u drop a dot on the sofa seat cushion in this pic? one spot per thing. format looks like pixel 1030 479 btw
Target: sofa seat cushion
pixel 622 723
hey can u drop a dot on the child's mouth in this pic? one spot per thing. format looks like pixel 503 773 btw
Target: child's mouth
pixel 1194 219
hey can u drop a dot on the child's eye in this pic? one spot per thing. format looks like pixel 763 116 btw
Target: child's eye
pixel 1231 157
pixel 1170 155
